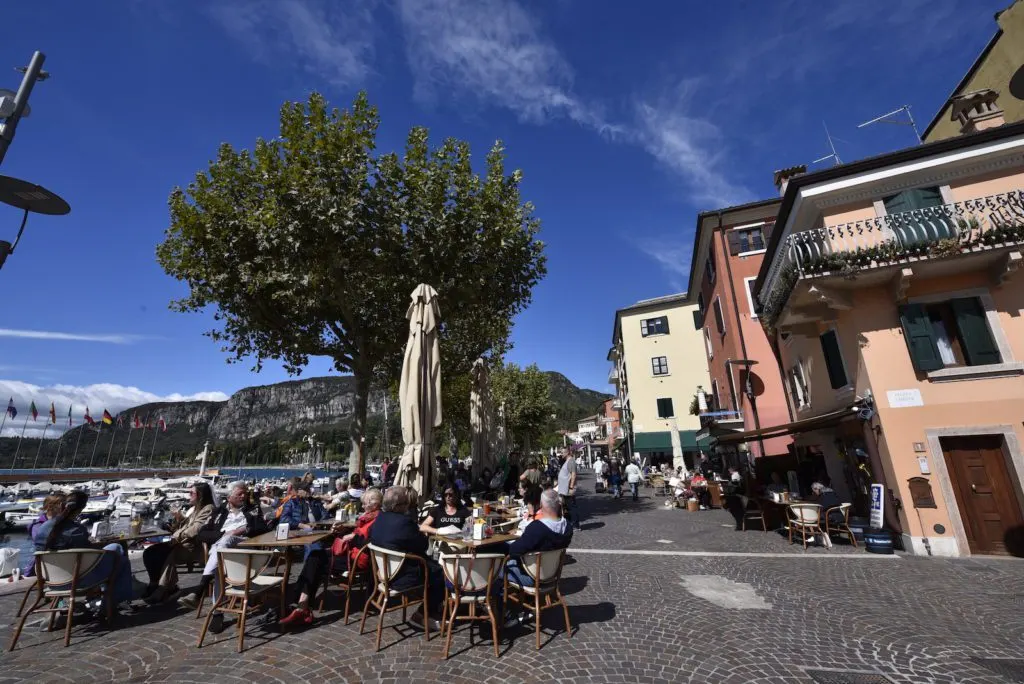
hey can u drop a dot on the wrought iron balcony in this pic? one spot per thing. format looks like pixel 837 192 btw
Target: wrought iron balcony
pixel 847 249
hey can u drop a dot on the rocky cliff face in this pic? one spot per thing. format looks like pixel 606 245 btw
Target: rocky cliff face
pixel 292 406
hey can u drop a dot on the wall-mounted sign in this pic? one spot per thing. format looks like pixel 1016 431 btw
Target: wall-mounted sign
pixel 921 492
pixel 904 398
pixel 922 463
pixel 877 506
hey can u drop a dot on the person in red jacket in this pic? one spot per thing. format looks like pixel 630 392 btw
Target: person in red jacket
pixel 345 549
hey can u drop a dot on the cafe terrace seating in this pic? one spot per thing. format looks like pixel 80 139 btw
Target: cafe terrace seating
pixel 241 576
pixel 57 578
pixel 545 568
pixel 347 581
pixel 471 577
pixel 386 565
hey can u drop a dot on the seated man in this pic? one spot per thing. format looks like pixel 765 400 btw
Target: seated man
pixel 548 532
pixel 396 531
pixel 339 497
pixel 233 522
pixel 302 509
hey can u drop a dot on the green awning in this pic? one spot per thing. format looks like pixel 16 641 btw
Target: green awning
pixel 645 442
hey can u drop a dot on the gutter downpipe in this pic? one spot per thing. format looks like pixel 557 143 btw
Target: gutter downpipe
pixel 748 390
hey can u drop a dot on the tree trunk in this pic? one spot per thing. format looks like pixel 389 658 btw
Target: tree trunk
pixel 357 428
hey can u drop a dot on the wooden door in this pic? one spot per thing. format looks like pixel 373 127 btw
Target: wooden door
pixel 984 491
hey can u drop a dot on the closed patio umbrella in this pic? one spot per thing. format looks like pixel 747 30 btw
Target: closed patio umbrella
pixel 480 418
pixel 419 391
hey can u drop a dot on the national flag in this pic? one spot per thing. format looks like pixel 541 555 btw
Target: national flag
pixel 70 423
pixel 53 414
pixel 107 418
pixel 87 418
pixel 135 421
pixel 162 424
pixel 120 420
pixel 11 411
pixel 34 411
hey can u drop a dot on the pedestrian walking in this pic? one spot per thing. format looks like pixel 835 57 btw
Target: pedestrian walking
pixel 634 476
pixel 567 489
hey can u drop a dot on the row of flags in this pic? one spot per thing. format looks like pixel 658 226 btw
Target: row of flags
pixel 106 418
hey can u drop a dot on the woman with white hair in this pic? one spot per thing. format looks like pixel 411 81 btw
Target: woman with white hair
pixel 345 549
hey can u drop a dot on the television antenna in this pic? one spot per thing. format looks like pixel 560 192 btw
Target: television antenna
pixel 885 118
pixel 831 145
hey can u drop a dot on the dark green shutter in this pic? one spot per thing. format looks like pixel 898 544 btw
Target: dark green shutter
pixel 978 346
pixel 664 323
pixel 833 360
pixel 917 329
pixel 697 319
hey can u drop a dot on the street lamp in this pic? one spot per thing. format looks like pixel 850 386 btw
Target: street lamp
pixel 28 197
pixel 23 195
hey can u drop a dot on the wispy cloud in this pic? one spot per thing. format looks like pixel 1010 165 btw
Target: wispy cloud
pixel 495 52
pixel 329 40
pixel 673 256
pixel 70 337
pixel 114 398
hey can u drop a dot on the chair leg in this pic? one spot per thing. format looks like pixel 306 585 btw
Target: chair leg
pixel 21 623
pixel 565 609
pixel 449 626
pixel 494 626
pixel 853 539
pixel 380 622
pixel 24 600
pixel 241 623
pixel 536 615
pixel 366 610
pixel 764 524
pixel 209 616
pixel 71 612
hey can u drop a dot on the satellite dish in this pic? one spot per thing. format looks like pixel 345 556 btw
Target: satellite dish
pixel 7 104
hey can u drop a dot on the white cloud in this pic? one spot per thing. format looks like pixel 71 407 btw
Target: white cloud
pixel 331 40
pixel 71 337
pixel 673 257
pixel 492 50
pixel 114 398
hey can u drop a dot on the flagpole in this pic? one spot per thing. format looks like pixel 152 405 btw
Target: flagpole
pixel 127 441
pixel 60 443
pixel 99 432
pixel 2 423
pixel 142 440
pixel 153 449
pixel 77 442
pixel 35 463
pixel 18 450
pixel 113 433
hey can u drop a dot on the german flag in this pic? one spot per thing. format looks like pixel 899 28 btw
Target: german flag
pixel 107 418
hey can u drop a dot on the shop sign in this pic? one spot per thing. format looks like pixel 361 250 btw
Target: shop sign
pixel 877 506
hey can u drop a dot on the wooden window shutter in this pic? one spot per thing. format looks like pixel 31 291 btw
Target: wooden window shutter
pixel 664 322
pixel 734 242
pixel 697 319
pixel 978 346
pixel 917 329
pixel 833 359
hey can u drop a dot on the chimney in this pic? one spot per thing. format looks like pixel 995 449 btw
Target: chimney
pixel 783 176
pixel 976 111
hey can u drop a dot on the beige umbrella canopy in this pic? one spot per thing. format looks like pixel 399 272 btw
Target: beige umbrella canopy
pixel 419 391
pixel 480 418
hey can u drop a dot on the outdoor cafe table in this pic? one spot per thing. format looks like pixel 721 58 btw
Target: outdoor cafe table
pixel 473 544
pixel 126 538
pixel 295 538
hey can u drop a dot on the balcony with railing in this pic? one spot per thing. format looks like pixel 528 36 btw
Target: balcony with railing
pixel 989 229
pixel 613 375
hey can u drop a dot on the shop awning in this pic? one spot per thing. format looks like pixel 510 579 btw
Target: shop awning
pixel 806 425
pixel 645 442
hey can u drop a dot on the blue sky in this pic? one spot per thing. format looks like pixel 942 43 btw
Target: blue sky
pixel 626 119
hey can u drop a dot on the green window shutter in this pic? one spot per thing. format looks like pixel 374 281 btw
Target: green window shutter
pixel 917 329
pixel 922 198
pixel 975 338
pixel 833 359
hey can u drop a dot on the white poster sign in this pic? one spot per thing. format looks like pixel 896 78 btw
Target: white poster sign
pixel 877 506
pixel 905 398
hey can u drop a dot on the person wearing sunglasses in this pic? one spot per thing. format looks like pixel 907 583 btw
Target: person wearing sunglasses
pixel 450 512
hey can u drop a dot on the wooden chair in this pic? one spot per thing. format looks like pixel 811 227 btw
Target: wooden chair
pixel 58 576
pixel 659 485
pixel 241 580
pixel 804 519
pixel 506 527
pixel 386 566
pixel 752 513
pixel 471 578
pixel 840 527
pixel 545 569
pixel 347 580
pixel 715 490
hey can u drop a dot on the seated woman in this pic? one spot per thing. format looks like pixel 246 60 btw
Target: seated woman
pixel 62 532
pixel 302 510
pixel 449 513
pixel 345 550
pixel 161 559
pixel 52 506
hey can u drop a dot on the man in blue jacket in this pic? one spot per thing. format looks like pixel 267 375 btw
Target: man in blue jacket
pixel 549 532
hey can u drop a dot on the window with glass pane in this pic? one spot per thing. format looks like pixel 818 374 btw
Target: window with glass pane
pixel 949 334
pixel 665 408
pixel 659 365
pixel 746 240
pixel 654 326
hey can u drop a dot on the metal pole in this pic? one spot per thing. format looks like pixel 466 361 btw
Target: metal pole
pixel 153 448
pixel 20 102
pixel 78 441
pixel 18 450
pixel 35 462
pixel 110 449
pixel 99 431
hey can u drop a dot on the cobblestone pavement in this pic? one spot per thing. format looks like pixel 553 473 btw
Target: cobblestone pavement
pixel 645 616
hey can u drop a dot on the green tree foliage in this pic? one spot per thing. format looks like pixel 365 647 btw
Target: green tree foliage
pixel 311 243
pixel 526 393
